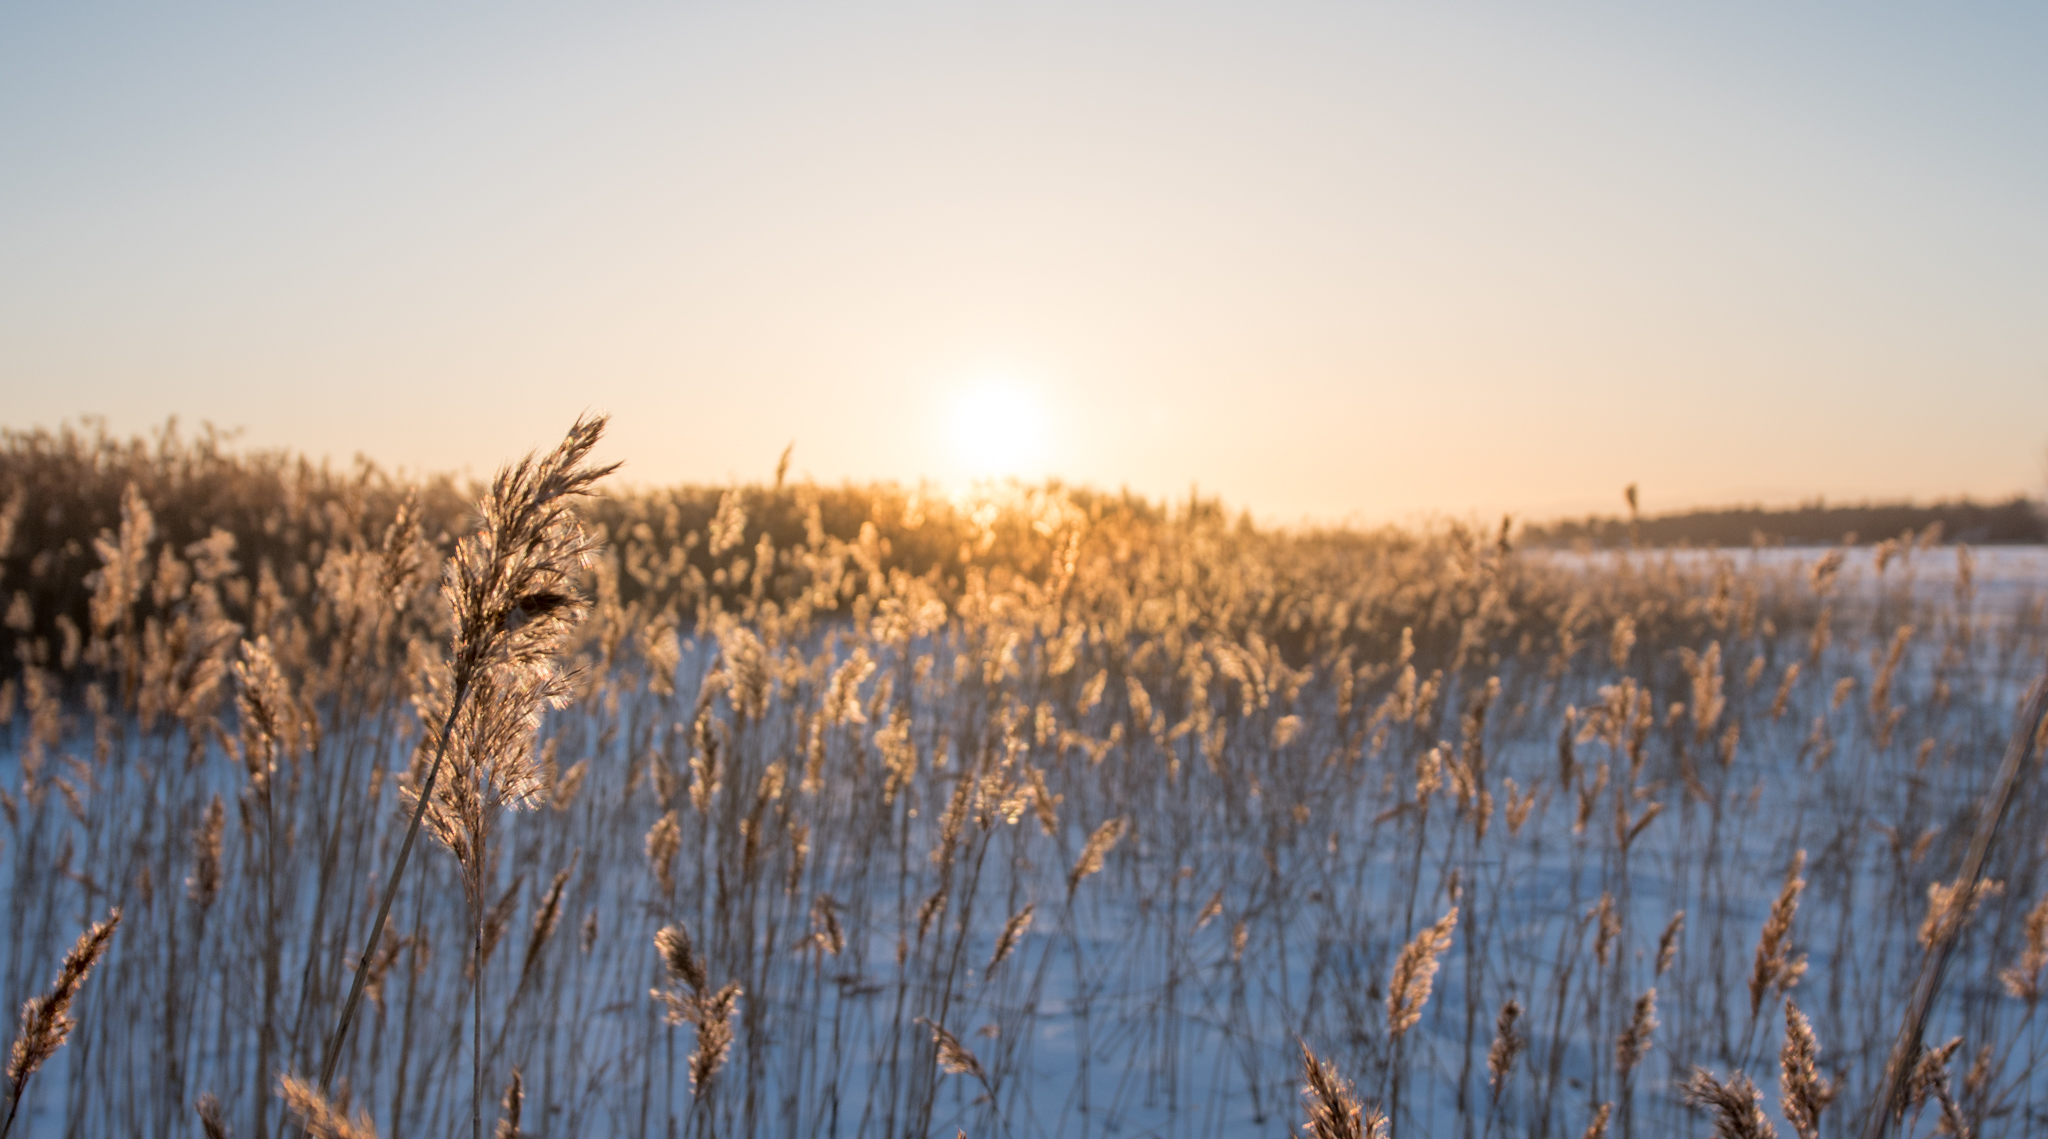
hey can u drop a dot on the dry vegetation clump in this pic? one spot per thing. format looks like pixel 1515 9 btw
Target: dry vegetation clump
pixel 1030 811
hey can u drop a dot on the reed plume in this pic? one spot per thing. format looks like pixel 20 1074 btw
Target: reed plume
pixel 1737 1105
pixel 1415 973
pixel 1606 928
pixel 319 1115
pixel 1634 1041
pixel 511 588
pixel 1881 688
pixel 46 1020
pixel 1930 1071
pixel 515 1099
pixel 2023 978
pixel 1930 1080
pixel 826 932
pixel 708 1012
pixel 1776 967
pixel 954 1057
pixel 1508 1044
pixel 1783 698
pixel 714 1035
pixel 1099 844
pixel 1803 1092
pixel 212 1120
pixel 1950 906
pixel 1013 931
pixel 1667 943
pixel 1334 1110
pixel 664 839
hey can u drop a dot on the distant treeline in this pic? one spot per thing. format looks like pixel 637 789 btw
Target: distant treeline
pixel 2018 520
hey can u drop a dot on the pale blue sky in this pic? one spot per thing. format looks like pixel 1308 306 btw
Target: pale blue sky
pixel 1328 261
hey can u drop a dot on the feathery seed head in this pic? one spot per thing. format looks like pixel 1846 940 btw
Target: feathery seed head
pixel 1950 906
pixel 664 840
pixel 1737 1105
pixel 1099 844
pixel 1634 1042
pixel 46 1020
pixel 1776 966
pixel 515 1098
pixel 2023 979
pixel 714 1035
pixel 1415 973
pixel 1334 1110
pixel 954 1057
pixel 319 1115
pixel 1013 932
pixel 680 956
pixel 1508 1043
pixel 1667 943
pixel 1803 1092
pixel 826 933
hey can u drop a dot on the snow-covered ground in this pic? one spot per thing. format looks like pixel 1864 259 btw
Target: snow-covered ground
pixel 1258 899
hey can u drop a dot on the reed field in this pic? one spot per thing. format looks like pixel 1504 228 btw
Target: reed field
pixel 794 810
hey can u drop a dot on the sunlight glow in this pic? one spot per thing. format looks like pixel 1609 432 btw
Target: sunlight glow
pixel 998 427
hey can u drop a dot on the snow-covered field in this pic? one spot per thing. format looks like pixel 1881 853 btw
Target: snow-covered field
pixel 1282 842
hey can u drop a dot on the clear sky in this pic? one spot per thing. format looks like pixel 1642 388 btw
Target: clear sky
pixel 1328 261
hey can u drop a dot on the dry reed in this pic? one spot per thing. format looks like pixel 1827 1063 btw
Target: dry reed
pixel 706 1010
pixel 510 1106
pixel 1777 966
pixel 1805 1094
pixel 1635 1040
pixel 839 723
pixel 1508 1044
pixel 1737 1105
pixel 955 1059
pixel 320 1117
pixel 46 1020
pixel 1334 1110
pixel 1415 973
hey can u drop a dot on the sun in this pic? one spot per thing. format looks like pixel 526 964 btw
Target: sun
pixel 998 427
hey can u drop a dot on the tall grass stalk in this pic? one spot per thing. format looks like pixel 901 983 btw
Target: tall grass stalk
pixel 512 588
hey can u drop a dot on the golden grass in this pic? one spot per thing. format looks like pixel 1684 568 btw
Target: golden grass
pixel 862 740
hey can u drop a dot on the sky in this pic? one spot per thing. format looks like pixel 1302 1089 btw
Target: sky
pixel 1330 262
